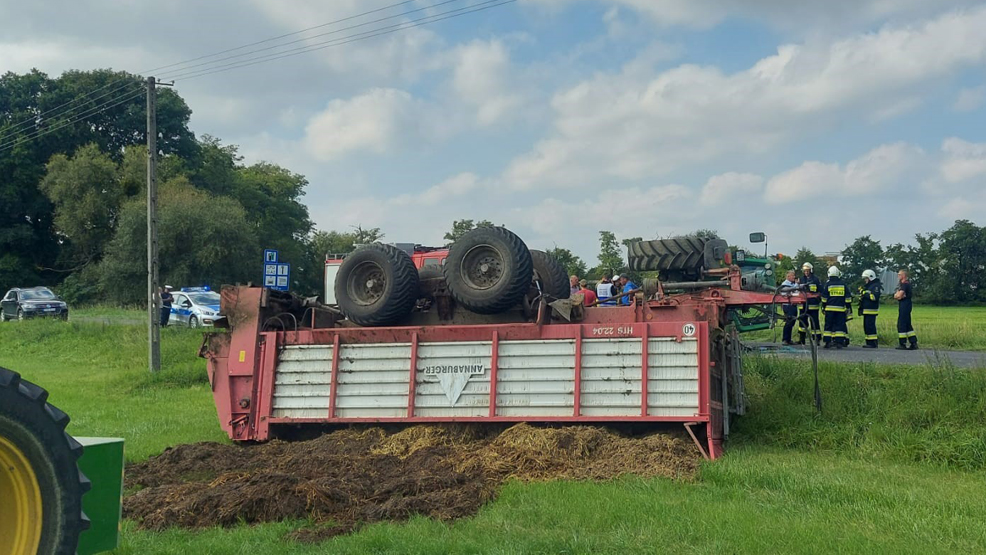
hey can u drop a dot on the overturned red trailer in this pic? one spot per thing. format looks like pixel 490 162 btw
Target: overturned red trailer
pixel 669 359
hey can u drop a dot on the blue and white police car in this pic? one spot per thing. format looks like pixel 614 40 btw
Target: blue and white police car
pixel 195 306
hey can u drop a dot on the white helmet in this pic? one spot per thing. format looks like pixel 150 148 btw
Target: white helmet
pixel 869 274
pixel 807 266
pixel 834 271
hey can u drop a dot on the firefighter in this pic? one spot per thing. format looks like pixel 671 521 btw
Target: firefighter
pixel 869 306
pixel 809 310
pixel 905 331
pixel 837 305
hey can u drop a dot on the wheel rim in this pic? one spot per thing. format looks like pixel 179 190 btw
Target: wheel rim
pixel 20 314
pixel 367 283
pixel 21 533
pixel 482 267
pixel 193 322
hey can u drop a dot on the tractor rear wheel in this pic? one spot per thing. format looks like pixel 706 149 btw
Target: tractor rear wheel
pixel 377 285
pixel 39 478
pixel 679 254
pixel 550 275
pixel 488 270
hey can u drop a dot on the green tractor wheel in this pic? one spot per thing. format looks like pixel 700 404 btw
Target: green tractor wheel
pixel 40 480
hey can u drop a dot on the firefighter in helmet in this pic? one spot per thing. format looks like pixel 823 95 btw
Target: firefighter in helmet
pixel 809 311
pixel 869 306
pixel 837 305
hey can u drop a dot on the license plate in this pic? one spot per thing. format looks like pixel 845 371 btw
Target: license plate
pixel 50 309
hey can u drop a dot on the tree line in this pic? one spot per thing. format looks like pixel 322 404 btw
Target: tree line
pixel 74 215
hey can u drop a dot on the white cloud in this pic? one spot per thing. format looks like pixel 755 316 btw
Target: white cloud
pixel 721 188
pixel 482 79
pixel 373 121
pixel 635 125
pixel 970 99
pixel 874 172
pixel 780 13
pixel 963 161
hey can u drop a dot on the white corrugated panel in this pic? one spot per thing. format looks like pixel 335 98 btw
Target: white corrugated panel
pixel 611 375
pixel 302 382
pixel 373 380
pixel 453 379
pixel 536 378
pixel 672 377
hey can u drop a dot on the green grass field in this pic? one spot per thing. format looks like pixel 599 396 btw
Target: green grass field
pixel 893 464
pixel 943 327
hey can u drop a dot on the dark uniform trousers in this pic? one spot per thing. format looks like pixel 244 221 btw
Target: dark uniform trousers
pixel 905 331
pixel 838 305
pixel 809 312
pixel 869 308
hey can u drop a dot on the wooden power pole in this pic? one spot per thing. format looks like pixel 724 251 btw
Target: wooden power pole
pixel 153 296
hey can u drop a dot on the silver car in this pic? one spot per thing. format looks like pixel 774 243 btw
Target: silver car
pixel 195 306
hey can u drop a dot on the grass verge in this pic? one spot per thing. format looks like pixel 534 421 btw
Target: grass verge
pixel 893 463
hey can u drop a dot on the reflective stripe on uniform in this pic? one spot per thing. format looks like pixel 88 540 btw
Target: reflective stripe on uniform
pixel 827 334
pixel 906 335
pixel 872 338
pixel 870 312
pixel 840 334
pixel 835 309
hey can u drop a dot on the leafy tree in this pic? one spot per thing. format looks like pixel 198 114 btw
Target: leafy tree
pixel 572 263
pixel 705 234
pixel 29 240
pixel 610 257
pixel 962 251
pixel 203 240
pixel 461 227
pixel 862 254
pixel 86 193
pixel 803 255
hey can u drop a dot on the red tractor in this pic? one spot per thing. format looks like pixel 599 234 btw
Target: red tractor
pixel 493 337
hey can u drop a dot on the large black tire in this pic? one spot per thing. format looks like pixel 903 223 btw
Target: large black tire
pixel 32 430
pixel 550 275
pixel 488 270
pixel 377 285
pixel 679 254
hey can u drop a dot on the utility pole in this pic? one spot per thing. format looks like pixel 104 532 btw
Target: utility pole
pixel 153 298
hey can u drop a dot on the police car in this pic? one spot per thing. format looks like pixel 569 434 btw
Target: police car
pixel 195 306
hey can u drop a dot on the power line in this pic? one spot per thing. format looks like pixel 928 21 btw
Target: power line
pixel 34 119
pixel 343 40
pixel 107 105
pixel 125 97
pixel 364 24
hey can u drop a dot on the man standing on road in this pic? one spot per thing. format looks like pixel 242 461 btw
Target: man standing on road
pixel 838 305
pixel 790 310
pixel 589 294
pixel 905 331
pixel 810 310
pixel 166 299
pixel 573 282
pixel 869 306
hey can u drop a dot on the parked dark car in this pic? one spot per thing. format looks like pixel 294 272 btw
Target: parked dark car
pixel 31 302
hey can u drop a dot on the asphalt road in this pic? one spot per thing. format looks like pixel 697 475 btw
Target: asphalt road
pixel 883 355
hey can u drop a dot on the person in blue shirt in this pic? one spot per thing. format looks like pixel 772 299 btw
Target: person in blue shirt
pixel 627 287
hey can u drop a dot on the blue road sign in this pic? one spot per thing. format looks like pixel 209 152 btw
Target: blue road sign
pixel 277 275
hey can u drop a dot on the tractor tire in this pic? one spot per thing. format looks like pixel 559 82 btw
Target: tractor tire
pixel 550 276
pixel 377 285
pixel 488 270
pixel 39 476
pixel 679 254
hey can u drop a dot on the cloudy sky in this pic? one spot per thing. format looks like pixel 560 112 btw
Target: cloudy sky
pixel 815 122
